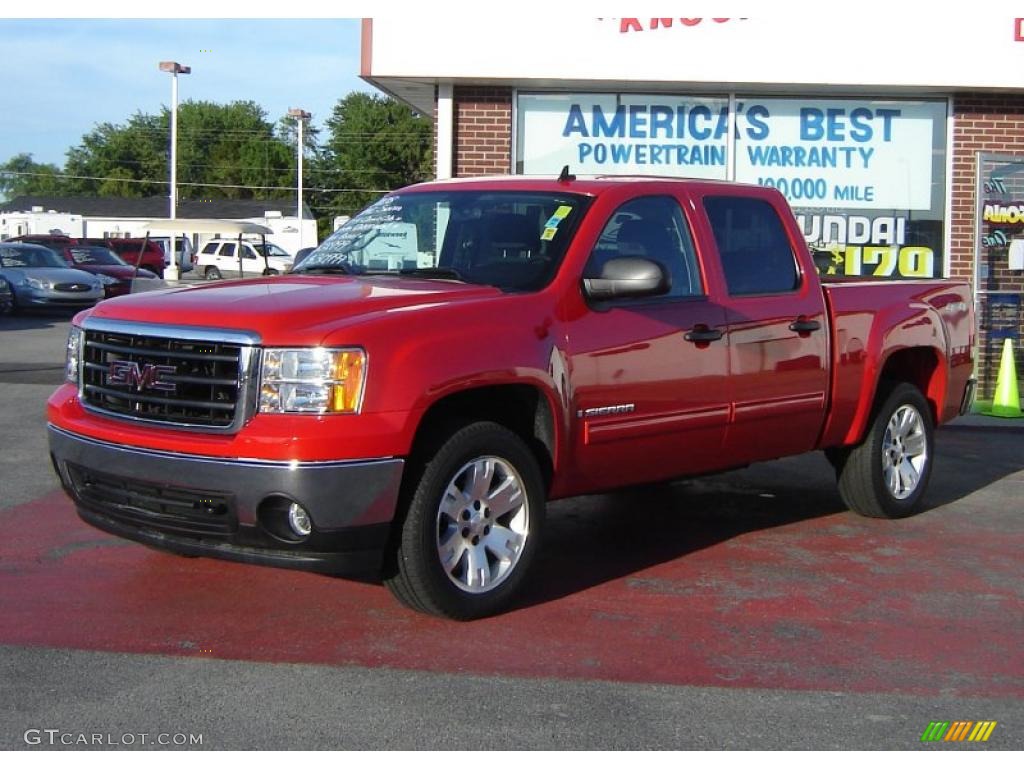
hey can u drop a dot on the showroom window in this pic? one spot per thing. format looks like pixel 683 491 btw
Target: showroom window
pixel 866 177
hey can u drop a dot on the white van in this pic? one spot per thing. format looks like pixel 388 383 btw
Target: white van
pixel 220 258
pixel 184 252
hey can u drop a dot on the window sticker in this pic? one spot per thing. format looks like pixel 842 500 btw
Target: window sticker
pixel 551 225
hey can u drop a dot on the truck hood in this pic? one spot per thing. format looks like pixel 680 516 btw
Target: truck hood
pixel 288 308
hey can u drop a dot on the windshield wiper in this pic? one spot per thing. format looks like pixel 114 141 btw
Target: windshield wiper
pixel 439 272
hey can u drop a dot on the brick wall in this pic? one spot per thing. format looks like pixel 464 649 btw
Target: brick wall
pixel 483 130
pixel 984 123
pixel 992 123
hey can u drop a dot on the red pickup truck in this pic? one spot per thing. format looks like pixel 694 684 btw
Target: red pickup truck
pixel 410 397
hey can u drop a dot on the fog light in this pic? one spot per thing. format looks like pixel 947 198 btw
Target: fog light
pixel 299 521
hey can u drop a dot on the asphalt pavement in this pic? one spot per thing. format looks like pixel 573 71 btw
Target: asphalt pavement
pixel 745 611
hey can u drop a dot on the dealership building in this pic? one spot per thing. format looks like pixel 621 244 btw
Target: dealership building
pixel 901 160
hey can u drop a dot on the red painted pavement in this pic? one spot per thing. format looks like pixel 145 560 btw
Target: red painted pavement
pixel 703 584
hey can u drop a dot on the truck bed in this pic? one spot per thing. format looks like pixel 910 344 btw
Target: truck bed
pixel 867 316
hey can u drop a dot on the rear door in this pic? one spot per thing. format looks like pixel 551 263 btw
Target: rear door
pixel 778 330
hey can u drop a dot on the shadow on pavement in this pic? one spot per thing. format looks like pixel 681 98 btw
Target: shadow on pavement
pixel 593 540
pixel 36 318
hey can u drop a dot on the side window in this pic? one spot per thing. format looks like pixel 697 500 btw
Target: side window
pixel 227 249
pixel 650 228
pixel 756 254
pixel 248 252
pixel 210 248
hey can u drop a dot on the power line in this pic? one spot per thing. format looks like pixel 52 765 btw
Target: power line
pixel 267 135
pixel 324 171
pixel 191 183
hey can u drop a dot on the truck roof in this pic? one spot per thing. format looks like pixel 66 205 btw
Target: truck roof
pixel 586 185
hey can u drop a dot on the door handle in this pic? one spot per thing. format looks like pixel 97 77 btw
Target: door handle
pixel 701 334
pixel 803 325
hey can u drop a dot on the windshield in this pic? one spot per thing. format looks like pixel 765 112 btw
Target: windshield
pixel 511 240
pixel 89 255
pixel 30 257
pixel 271 250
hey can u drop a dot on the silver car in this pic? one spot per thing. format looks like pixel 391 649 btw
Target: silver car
pixel 38 277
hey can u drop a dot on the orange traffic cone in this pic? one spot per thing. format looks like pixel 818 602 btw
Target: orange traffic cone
pixel 1006 402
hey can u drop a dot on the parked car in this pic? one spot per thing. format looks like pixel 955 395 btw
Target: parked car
pixel 6 298
pixel 38 277
pixel 220 258
pixel 185 254
pixel 115 274
pixel 50 241
pixel 128 248
pixel 131 250
pixel 301 255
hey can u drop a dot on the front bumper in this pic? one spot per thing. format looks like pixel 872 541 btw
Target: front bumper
pixel 233 509
pixel 48 297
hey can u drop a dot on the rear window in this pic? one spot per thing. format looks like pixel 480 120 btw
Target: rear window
pixel 756 254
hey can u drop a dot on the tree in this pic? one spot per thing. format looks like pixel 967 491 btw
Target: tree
pixel 21 175
pixel 125 160
pixel 231 151
pixel 375 144
pixel 224 150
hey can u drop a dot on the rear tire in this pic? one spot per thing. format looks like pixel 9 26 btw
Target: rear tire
pixel 212 273
pixel 886 476
pixel 471 527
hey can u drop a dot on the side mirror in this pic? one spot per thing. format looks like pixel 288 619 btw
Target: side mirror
pixel 627 278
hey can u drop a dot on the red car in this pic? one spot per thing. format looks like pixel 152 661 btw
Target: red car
pixel 412 395
pixel 130 249
pixel 97 256
pixel 115 274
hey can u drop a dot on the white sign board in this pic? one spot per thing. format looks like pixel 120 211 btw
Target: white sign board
pixel 624 134
pixel 904 46
pixel 849 154
pixel 839 153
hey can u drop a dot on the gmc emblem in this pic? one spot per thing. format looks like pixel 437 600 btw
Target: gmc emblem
pixel 125 373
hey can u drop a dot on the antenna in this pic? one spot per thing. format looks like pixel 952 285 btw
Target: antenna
pixel 565 176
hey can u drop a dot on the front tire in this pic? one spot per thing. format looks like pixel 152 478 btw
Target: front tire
pixel 887 474
pixel 12 307
pixel 212 273
pixel 471 527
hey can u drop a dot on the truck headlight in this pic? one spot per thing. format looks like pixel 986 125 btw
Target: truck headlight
pixel 314 380
pixel 73 355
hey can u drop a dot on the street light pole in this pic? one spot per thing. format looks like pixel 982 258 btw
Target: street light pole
pixel 175 69
pixel 301 116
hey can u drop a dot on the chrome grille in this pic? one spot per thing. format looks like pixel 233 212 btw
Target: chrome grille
pixel 188 382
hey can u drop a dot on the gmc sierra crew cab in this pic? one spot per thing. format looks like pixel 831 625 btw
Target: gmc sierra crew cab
pixel 409 398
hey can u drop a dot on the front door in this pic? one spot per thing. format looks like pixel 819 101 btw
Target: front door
pixel 649 376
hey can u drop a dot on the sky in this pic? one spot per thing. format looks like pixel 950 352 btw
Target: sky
pixel 62 77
